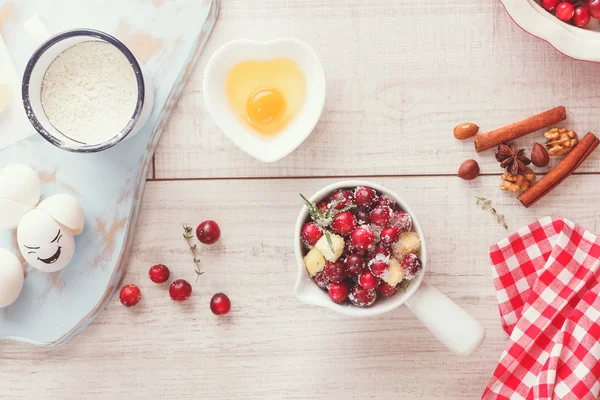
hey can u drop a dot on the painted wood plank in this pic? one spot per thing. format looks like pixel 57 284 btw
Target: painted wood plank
pixel 271 346
pixel 400 76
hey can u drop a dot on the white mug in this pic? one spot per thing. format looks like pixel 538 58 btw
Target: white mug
pixel 449 323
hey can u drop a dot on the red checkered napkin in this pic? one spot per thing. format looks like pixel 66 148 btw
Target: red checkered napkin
pixel 547 281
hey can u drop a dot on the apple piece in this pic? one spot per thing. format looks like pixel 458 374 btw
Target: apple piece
pixel 394 274
pixel 314 262
pixel 408 243
pixel 338 247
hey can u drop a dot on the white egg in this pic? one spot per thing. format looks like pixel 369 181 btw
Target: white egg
pixel 11 278
pixel 21 184
pixel 45 244
pixel 11 212
pixel 66 210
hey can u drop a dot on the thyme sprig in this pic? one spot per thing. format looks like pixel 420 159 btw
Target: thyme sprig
pixel 325 219
pixel 487 205
pixel 188 236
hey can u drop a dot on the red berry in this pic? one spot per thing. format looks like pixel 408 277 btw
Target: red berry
pixel 386 201
pixel 387 290
pixel 363 216
pixel 362 237
pixel 402 220
pixel 412 266
pixel 130 295
pixel 549 4
pixel 565 11
pixel 362 297
pixel 220 304
pixel 365 196
pixel 594 7
pixel 367 280
pixel 345 196
pixel 180 290
pixel 335 271
pixel 389 235
pixel 582 16
pixel 338 292
pixel 355 264
pixel 380 248
pixel 323 206
pixel 159 273
pixel 378 266
pixel 344 223
pixel 321 280
pixel 208 232
pixel 311 233
pixel 380 216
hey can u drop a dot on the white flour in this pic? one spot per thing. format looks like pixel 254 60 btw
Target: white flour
pixel 89 92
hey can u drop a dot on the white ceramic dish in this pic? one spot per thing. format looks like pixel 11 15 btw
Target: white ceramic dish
pixel 265 149
pixel 452 325
pixel 578 43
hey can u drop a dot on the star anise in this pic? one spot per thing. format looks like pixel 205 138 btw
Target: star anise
pixel 515 162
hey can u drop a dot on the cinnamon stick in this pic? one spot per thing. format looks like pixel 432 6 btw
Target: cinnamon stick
pixel 513 131
pixel 559 173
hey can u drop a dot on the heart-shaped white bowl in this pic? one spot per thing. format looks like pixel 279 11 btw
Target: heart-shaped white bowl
pixel 578 43
pixel 286 141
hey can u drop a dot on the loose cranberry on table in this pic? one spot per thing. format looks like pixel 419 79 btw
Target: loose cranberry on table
pixel 159 273
pixel 180 290
pixel 362 297
pixel 344 197
pixel 344 223
pixel 355 264
pixel 130 295
pixel 208 232
pixel 220 304
pixel 362 238
pixel 338 292
pixel 335 271
pixel 367 280
pixel 365 196
pixel 311 233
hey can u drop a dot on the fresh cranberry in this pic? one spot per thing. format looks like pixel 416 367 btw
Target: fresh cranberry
pixel 412 266
pixel 220 304
pixel 159 273
pixel 565 11
pixel 335 271
pixel 362 237
pixel 582 16
pixel 378 266
pixel 367 280
pixel 311 233
pixel 130 295
pixel 363 216
pixel 402 220
pixel 594 7
pixel 386 201
pixel 387 290
pixel 208 232
pixel 321 280
pixel 382 249
pixel 180 290
pixel 344 223
pixel 380 216
pixel 345 196
pixel 362 297
pixel 365 197
pixel 338 292
pixel 549 4
pixel 389 235
pixel 323 206
pixel 355 264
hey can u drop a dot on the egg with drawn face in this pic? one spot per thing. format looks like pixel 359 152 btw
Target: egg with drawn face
pixel 45 244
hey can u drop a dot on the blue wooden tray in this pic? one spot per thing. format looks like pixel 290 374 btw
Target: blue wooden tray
pixel 168 37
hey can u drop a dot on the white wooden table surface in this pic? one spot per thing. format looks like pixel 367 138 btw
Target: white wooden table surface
pixel 401 75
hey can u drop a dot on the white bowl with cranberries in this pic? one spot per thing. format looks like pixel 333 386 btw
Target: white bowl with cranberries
pixel 361 252
pixel 570 26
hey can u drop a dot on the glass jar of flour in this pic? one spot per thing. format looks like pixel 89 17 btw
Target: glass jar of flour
pixel 84 91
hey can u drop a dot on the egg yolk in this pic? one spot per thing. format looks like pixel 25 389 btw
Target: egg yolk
pixel 264 106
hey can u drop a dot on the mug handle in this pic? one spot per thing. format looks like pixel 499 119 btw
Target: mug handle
pixel 450 324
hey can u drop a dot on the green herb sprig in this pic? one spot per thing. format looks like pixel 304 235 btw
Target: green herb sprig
pixel 188 236
pixel 325 219
pixel 487 205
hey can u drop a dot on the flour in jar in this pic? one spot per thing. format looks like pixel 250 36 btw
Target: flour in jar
pixel 89 92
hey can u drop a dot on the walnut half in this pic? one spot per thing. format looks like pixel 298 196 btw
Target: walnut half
pixel 560 141
pixel 517 183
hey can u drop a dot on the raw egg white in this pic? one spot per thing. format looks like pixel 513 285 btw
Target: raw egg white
pixel 266 95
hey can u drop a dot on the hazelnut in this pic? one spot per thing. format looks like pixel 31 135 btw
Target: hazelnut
pixel 540 156
pixel 465 130
pixel 468 170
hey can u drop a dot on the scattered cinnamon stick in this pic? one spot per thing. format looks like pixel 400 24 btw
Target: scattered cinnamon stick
pixel 566 167
pixel 513 131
